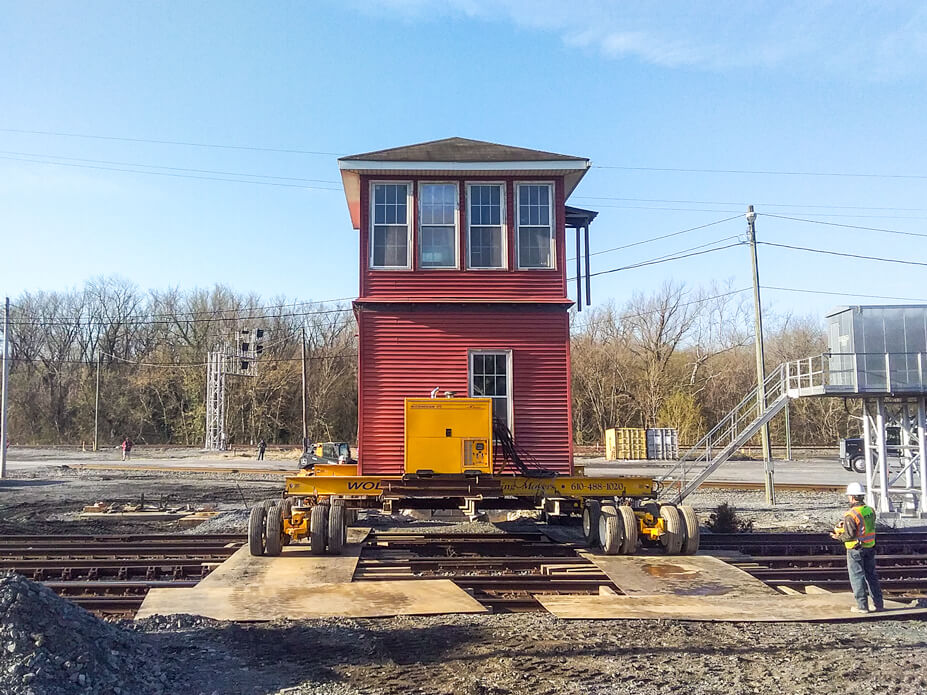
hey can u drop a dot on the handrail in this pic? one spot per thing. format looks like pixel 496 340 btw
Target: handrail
pixel 731 425
pixel 859 372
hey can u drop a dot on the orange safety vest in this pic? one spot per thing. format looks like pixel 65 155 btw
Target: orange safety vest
pixel 864 516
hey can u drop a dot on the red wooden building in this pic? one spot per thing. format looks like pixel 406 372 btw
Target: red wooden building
pixel 463 287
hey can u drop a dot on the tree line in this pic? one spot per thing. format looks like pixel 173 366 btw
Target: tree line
pixel 152 351
pixel 678 357
pixel 683 358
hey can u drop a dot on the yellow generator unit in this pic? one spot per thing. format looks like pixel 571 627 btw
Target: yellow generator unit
pixel 448 435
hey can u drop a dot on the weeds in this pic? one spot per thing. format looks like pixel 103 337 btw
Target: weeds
pixel 724 519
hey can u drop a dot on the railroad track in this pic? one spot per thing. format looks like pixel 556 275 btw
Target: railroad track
pixel 797 560
pixel 504 572
pixel 112 574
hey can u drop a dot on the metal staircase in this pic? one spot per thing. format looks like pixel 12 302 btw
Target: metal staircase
pixel 734 430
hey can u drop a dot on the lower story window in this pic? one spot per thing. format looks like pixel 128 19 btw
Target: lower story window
pixel 390 246
pixel 438 247
pixel 491 377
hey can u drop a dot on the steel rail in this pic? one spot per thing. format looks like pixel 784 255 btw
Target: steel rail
pixel 190 538
pixel 114 551
pixel 107 563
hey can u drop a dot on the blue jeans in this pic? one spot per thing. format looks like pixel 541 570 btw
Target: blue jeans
pixel 862 568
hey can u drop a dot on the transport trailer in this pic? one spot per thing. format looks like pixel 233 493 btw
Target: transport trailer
pixel 449 464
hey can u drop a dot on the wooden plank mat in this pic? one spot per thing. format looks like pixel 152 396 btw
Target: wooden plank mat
pixel 776 608
pixel 677 575
pixel 296 564
pixel 352 600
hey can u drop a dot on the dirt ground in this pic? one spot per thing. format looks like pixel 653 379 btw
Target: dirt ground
pixel 477 655
pixel 537 654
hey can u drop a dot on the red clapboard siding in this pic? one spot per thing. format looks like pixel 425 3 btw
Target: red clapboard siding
pixel 406 351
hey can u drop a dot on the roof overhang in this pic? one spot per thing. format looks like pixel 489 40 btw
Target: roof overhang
pixel 572 171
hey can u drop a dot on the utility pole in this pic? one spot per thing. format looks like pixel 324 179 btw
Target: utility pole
pixel 96 404
pixel 305 430
pixel 760 359
pixel 4 400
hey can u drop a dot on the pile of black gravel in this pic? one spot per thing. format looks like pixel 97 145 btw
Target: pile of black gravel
pixel 50 646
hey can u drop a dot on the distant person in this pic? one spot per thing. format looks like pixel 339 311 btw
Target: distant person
pixel 857 531
pixel 262 445
pixel 126 449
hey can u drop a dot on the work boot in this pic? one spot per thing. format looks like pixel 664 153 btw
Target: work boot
pixel 857 609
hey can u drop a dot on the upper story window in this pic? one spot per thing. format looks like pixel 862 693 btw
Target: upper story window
pixel 485 238
pixel 438 225
pixel 534 227
pixel 389 233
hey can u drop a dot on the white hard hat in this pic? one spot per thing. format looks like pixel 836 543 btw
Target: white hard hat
pixel 855 490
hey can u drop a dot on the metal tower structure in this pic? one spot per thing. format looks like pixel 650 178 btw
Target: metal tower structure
pixel 878 354
pixel 895 470
pixel 228 359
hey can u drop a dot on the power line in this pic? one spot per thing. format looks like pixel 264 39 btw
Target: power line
pixel 664 236
pixel 842 294
pixel 252 148
pixel 772 205
pixel 92 322
pixel 715 210
pixel 847 226
pixel 285 150
pixel 838 253
pixel 594 321
pixel 660 259
pixel 212 312
pixel 159 166
pixel 762 172
pixel 166 173
pixel 343 355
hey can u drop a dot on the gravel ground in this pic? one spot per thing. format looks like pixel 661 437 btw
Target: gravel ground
pixel 50 499
pixel 50 647
pixel 794 511
pixel 445 655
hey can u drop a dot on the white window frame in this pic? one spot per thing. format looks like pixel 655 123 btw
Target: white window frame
pixel 502 219
pixel 509 379
pixel 456 264
pixel 553 224
pixel 409 209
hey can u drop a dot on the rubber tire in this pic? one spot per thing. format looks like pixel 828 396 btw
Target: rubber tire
pixel 591 512
pixel 256 528
pixel 610 530
pixel 337 529
pixel 273 544
pixel 690 526
pixel 630 528
pixel 318 529
pixel 672 537
pixel 858 464
pixel 267 504
pixel 286 507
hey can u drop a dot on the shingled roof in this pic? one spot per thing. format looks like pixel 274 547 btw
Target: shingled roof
pixel 460 150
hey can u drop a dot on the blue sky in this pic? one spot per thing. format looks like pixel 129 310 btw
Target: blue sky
pixel 779 86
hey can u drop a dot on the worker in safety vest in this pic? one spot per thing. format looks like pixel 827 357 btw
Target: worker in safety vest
pixel 857 531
